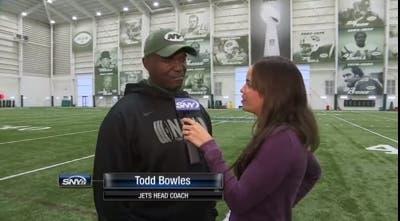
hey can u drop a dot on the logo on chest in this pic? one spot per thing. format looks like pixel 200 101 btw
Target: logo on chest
pixel 170 130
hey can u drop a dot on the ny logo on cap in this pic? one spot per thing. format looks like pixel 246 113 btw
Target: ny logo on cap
pixel 173 36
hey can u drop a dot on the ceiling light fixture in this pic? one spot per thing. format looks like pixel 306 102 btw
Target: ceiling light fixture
pixel 98 13
pixel 156 4
pixel 74 18
pixel 125 9
pixel 50 1
pixel 52 22
pixel 24 14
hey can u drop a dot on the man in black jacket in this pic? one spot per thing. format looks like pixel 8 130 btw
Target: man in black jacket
pixel 142 133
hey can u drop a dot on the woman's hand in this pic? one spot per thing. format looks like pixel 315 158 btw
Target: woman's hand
pixel 194 132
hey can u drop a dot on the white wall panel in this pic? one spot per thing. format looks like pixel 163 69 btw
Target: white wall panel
pixel 163 20
pixel 36 60
pixel 36 90
pixel 231 20
pixel 62 58
pixel 36 52
pixel 228 89
pixel 317 89
pixel 8 22
pixel 107 32
pixel 8 47
pixel 9 87
pixel 313 4
pixel 131 58
pixel 309 15
pixel 62 87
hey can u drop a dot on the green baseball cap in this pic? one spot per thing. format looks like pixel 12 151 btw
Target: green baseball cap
pixel 165 42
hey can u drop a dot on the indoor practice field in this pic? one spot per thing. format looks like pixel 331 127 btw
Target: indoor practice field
pixel 37 144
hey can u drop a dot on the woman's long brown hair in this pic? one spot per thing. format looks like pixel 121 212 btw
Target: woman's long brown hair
pixel 285 103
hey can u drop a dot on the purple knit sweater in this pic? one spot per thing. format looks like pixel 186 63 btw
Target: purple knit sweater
pixel 280 175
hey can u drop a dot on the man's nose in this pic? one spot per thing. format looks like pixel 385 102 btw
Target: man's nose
pixel 179 65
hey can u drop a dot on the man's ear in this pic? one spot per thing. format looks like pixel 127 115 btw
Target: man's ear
pixel 146 62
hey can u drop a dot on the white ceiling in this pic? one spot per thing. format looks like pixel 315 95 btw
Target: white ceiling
pixel 61 11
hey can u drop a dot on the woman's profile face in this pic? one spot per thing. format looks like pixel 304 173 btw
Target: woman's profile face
pixel 252 100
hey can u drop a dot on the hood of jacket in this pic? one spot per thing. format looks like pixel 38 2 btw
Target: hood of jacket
pixel 148 88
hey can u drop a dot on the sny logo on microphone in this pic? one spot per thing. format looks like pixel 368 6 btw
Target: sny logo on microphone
pixel 186 104
pixel 75 180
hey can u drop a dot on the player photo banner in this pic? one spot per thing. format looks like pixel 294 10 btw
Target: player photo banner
pixel 361 44
pixel 270 28
pixel 393 42
pixel 130 32
pixel 231 50
pixel 126 77
pixel 313 46
pixel 106 72
pixel 202 47
pixel 195 24
pixel 360 79
pixel 198 81
pixel 361 13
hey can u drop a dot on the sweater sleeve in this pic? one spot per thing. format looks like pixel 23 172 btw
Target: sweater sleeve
pixel 112 155
pixel 312 175
pixel 261 177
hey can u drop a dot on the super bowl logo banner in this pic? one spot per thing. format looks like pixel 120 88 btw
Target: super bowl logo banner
pixel 313 46
pixel 231 50
pixel 130 32
pixel 270 28
pixel 361 47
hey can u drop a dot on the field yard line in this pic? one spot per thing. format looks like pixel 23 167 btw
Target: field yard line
pixel 228 214
pixel 40 138
pixel 44 168
pixel 363 128
pixel 221 122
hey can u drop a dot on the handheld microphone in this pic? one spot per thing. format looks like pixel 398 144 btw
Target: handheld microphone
pixel 183 107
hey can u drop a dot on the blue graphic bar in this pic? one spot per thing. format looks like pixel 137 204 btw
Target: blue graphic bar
pixel 162 195
pixel 167 181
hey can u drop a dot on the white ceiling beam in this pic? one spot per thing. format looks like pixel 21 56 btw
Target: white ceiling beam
pixel 80 8
pixel 109 6
pixel 174 3
pixel 32 9
pixel 142 9
pixel 47 11
pixel 148 7
pixel 59 14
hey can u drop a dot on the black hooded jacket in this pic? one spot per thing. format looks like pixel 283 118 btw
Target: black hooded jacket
pixel 142 133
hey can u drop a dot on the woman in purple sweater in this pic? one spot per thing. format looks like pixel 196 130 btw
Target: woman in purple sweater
pixel 277 168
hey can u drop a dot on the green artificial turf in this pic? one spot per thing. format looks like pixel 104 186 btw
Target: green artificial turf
pixel 357 184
